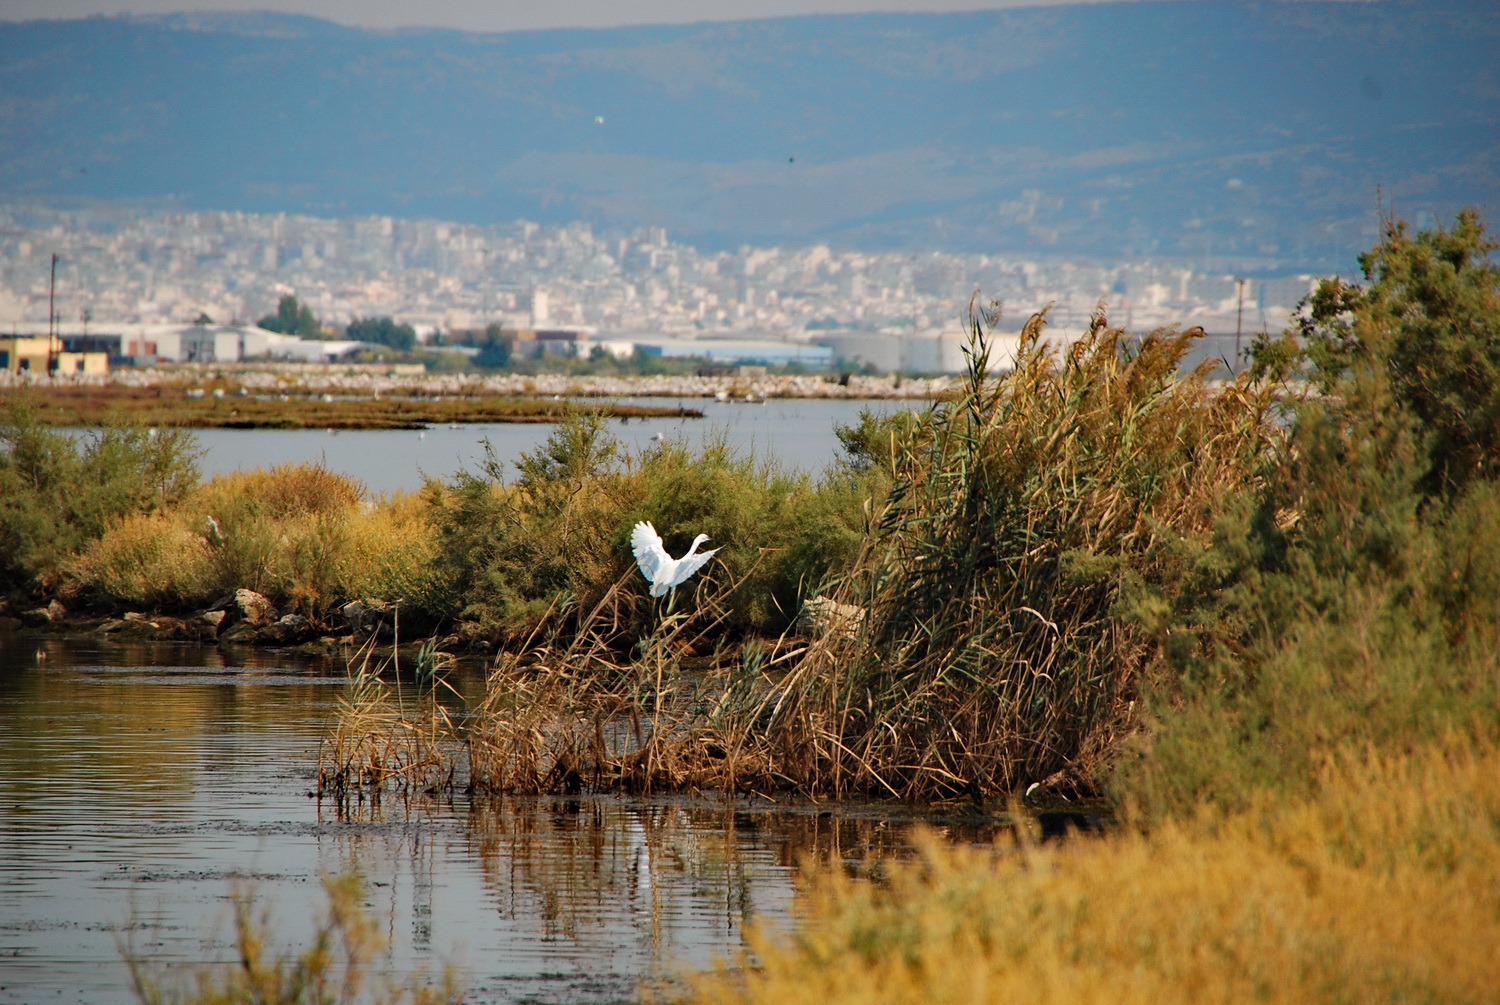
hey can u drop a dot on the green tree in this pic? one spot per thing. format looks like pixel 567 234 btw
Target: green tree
pixel 494 348
pixel 1425 332
pixel 382 331
pixel 292 318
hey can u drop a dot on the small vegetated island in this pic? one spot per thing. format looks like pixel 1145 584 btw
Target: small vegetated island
pixel 220 403
pixel 1259 618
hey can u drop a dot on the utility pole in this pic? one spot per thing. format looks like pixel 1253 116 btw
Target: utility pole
pixel 1239 323
pixel 52 318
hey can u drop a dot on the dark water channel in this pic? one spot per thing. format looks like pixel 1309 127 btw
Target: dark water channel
pixel 142 783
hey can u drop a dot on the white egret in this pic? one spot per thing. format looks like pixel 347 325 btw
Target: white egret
pixel 661 570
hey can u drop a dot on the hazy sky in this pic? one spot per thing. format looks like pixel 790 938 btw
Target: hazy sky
pixel 510 15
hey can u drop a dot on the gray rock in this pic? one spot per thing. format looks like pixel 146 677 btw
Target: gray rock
pixel 244 613
pixel 291 630
pixel 825 617
pixel 251 606
pixel 363 617
pixel 240 632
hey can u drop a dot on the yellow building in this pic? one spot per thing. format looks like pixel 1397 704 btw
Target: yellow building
pixel 40 354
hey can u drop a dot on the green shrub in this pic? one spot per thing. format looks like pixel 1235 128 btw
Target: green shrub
pixel 1349 599
pixel 780 534
pixel 1424 334
pixel 553 542
pixel 59 492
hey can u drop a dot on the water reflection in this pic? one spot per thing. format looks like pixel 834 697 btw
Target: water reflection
pixel 140 783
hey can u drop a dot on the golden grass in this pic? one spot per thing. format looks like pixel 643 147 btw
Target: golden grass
pixel 1384 887
pixel 146 558
pixel 300 534
pixel 349 961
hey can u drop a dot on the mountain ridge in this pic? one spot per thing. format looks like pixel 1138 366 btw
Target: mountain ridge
pixel 1216 129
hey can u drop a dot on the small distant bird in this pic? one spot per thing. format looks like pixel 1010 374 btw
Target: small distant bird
pixel 215 535
pixel 657 438
pixel 661 570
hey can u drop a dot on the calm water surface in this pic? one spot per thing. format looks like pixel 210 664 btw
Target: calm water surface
pixel 142 783
pixel 797 432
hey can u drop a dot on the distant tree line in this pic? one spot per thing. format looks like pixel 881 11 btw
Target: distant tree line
pixel 382 331
pixel 292 318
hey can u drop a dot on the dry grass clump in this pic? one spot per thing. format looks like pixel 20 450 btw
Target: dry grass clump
pixel 347 962
pixel 560 716
pixel 388 552
pixel 390 735
pixel 148 559
pixel 1381 889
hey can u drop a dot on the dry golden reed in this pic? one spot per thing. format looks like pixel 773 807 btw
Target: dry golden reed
pixel 993 653
pixel 347 963
pixel 1385 887
pixel 389 734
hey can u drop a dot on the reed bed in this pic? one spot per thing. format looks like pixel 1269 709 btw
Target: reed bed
pixel 994 652
pixel 984 647
pixel 568 713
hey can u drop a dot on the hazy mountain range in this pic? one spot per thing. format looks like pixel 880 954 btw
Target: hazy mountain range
pixel 1216 131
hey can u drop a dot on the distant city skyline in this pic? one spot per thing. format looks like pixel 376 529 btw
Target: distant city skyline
pixel 518 15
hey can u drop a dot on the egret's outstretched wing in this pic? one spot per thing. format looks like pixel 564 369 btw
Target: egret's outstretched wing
pixel 688 565
pixel 650 554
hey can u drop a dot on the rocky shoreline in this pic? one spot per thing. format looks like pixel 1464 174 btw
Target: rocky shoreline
pixel 384 380
pixel 244 618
